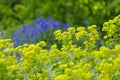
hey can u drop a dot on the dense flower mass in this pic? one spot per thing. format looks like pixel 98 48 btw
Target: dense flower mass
pixel 79 57
pixel 72 61
pixel 41 29
pixel 112 31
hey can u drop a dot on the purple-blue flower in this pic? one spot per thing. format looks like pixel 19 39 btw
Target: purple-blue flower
pixel 39 30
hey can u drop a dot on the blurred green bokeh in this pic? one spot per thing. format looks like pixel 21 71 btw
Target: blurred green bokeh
pixel 14 13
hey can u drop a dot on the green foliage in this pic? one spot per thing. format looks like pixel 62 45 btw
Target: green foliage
pixel 77 12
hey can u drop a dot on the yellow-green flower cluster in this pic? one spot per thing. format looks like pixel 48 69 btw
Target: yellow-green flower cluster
pixel 70 62
pixel 74 63
pixel 87 37
pixel 112 31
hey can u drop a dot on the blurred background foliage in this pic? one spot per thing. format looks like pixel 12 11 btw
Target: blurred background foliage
pixel 14 13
